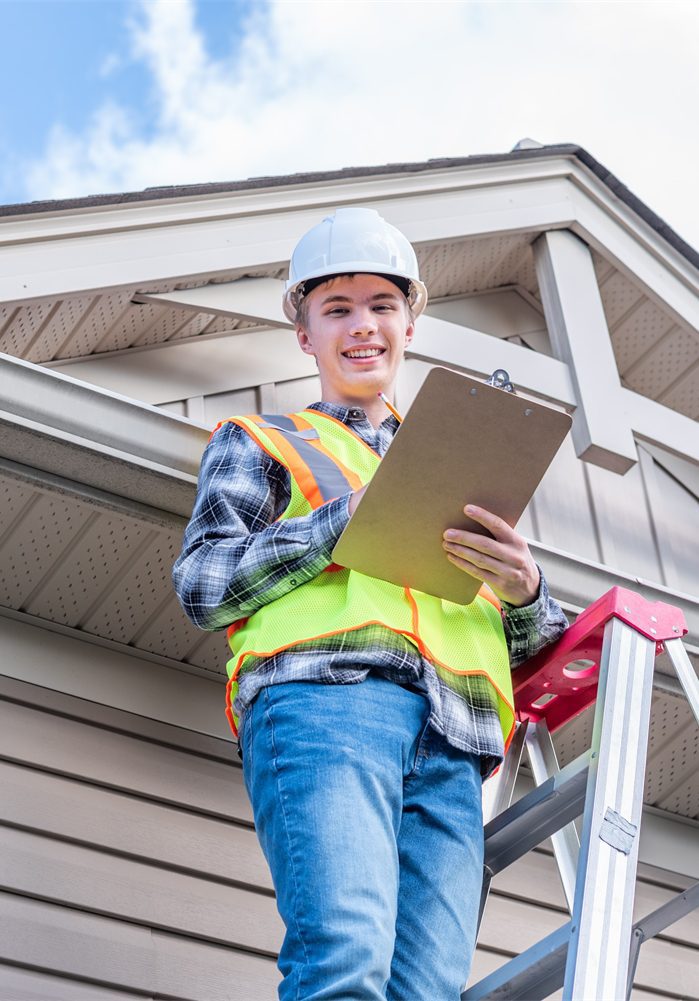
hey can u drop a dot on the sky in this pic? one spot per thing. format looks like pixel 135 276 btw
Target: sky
pixel 121 95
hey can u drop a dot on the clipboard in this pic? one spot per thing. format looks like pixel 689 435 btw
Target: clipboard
pixel 462 442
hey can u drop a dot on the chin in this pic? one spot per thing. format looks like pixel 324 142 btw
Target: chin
pixel 372 383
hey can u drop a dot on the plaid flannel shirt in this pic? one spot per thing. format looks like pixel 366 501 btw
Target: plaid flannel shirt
pixel 237 557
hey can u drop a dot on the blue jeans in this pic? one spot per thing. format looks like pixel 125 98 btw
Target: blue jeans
pixel 371 824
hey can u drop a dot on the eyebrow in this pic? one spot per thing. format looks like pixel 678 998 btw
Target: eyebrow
pixel 374 298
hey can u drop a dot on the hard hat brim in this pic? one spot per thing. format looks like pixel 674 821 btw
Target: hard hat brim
pixel 295 291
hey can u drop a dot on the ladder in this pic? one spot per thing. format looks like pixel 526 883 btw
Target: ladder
pixel 606 657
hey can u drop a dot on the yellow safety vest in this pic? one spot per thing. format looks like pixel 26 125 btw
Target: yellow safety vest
pixel 325 460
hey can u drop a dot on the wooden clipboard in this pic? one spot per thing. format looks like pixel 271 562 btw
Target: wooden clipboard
pixel 462 442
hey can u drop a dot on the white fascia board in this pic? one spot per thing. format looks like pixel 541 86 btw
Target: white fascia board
pixel 596 204
pixel 196 248
pixel 658 425
pixel 651 264
pixel 67 427
pixel 316 196
pixel 441 342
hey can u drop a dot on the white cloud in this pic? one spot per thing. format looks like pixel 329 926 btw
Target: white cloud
pixel 317 85
pixel 109 65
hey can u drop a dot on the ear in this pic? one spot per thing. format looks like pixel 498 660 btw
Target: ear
pixel 409 334
pixel 304 341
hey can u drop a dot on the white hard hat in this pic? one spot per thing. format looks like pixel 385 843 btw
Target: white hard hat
pixel 353 241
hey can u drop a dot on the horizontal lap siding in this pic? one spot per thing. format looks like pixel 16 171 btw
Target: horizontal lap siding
pixel 30 985
pixel 87 814
pixel 126 863
pixel 129 866
pixel 118 761
pixel 114 953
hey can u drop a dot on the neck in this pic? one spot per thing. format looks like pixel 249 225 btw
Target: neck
pixel 369 400
pixel 373 406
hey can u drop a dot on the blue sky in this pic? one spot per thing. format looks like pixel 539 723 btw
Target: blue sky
pixel 118 95
pixel 63 58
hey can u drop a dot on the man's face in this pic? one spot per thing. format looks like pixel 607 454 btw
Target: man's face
pixel 357 330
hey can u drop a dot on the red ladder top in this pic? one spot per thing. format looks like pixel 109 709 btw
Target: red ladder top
pixel 561 681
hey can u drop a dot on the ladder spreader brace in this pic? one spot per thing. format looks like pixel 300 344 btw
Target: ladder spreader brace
pixel 606 656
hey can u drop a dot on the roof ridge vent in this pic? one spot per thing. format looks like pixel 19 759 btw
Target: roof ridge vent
pixel 526 144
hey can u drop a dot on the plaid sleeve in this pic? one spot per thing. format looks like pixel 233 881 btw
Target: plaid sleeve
pixel 530 628
pixel 236 556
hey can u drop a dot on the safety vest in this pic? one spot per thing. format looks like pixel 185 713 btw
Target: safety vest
pixel 326 459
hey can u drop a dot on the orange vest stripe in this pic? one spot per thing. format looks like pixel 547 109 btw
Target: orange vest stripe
pixel 489 595
pixel 298 440
pixel 292 460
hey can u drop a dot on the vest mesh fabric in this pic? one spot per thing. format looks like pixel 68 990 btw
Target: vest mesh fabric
pixel 459 640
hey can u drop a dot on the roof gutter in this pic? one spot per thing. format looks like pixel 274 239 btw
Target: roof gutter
pixel 57 424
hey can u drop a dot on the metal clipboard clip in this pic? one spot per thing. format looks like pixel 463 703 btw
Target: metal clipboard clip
pixel 500 379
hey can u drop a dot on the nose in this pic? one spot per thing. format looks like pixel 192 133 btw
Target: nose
pixel 364 322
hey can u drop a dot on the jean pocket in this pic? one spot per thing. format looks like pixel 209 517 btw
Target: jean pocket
pixel 246 732
pixel 242 733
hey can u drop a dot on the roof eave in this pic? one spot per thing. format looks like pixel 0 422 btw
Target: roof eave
pixel 168 194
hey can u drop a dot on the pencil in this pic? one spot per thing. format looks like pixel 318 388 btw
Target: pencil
pixel 391 408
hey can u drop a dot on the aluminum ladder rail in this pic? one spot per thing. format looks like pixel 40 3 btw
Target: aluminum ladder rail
pixel 606 657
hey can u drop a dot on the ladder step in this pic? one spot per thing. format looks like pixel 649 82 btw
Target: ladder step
pixel 531 976
pixel 538 972
pixel 536 816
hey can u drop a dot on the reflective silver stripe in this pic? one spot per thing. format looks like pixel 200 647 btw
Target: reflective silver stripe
pixel 280 422
pixel 331 481
pixel 309 434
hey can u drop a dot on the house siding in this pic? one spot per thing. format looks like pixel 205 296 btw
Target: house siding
pixel 129 865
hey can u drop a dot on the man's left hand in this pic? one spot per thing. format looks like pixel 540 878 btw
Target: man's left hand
pixel 503 562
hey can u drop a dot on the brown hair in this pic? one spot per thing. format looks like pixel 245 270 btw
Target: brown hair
pixel 302 311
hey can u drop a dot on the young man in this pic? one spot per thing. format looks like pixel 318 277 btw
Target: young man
pixel 368 714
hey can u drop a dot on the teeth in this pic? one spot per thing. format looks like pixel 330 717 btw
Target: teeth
pixel 364 353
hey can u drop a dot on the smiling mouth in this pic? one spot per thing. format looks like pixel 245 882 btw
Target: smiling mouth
pixel 364 353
